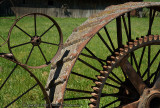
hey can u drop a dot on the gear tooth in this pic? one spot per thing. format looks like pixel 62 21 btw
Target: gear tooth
pixel 109 63
pixel 135 42
pixel 131 45
pixel 93 100
pixel 117 55
pixel 150 37
pixel 140 40
pixel 113 58
pixel 95 88
pixel 121 51
pixel 94 95
pixel 105 67
pixel 103 73
pixel 91 105
pixel 101 78
pixel 126 48
pixel 98 83
pixel 145 38
pixel 156 37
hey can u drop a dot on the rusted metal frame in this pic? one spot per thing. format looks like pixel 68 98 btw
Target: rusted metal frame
pixel 20 45
pixel 140 61
pixel 119 32
pixel 89 78
pixel 42 54
pixel 29 54
pixel 100 60
pixel 46 30
pixel 21 95
pixel 109 38
pixel 151 63
pixel 104 42
pixel 8 76
pixel 23 31
pixel 87 64
pixel 110 103
pixel 35 25
pixel 132 75
pixel 78 98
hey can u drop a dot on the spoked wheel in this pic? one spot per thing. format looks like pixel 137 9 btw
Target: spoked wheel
pixel 85 56
pixel 36 36
pixel 138 83
pixel 12 89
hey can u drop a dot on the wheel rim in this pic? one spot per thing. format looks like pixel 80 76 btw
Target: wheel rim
pixel 35 39
pixel 22 92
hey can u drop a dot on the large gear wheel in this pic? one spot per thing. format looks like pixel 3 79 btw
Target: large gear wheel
pixel 84 58
pixel 136 88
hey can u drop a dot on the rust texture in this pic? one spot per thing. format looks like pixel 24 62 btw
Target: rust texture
pixel 81 35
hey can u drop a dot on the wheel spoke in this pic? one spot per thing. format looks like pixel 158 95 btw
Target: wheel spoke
pixel 47 30
pixel 87 64
pixel 136 63
pixel 49 43
pixel 109 38
pixel 157 83
pixel 20 45
pixel 115 95
pixel 125 26
pixel 132 75
pixel 21 95
pixel 83 76
pixel 23 31
pixel 105 43
pixel 149 55
pixel 140 62
pixel 131 105
pixel 155 57
pixel 151 19
pixel 35 25
pixel 119 32
pixel 8 76
pixel 80 91
pixel 42 54
pixel 116 77
pixel 77 98
pixel 110 103
pixel 29 55
pixel 86 55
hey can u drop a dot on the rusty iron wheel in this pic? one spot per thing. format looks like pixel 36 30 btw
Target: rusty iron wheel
pixel 136 87
pixel 4 84
pixel 79 65
pixel 36 39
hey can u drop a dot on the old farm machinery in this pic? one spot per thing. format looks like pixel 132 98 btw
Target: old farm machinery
pixel 121 69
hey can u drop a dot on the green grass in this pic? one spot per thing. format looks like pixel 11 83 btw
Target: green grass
pixel 21 80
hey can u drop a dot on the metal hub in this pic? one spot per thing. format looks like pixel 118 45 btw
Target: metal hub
pixel 150 99
pixel 36 40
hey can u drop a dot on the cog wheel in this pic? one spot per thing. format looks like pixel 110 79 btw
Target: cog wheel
pixel 138 88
